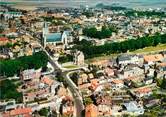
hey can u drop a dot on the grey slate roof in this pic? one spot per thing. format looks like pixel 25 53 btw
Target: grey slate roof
pixel 53 37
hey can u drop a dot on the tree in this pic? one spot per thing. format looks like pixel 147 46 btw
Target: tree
pixel 88 101
pixel 8 90
pixel 13 67
pixel 163 38
pixel 74 77
pixel 65 58
pixel 124 46
pixel 163 84
pixel 1 29
pixel 44 112
pixel 60 79
pixel 92 32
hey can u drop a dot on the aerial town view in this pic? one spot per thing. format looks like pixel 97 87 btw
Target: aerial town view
pixel 83 58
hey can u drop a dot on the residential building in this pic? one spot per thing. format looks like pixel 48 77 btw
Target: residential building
pixel 131 72
pixel 133 108
pixel 104 110
pixel 79 58
pixel 91 111
pixel 143 91
pixel 117 84
pixel 129 59
pixel 109 72
pixel 29 74
pixel 152 59
pixel 4 40
pixel 18 112
pixel 148 80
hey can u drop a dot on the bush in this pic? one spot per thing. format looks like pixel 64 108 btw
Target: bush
pixel 43 112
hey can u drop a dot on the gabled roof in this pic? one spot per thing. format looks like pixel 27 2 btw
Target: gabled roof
pixel 91 111
pixel 162 64
pixel 132 106
pixel 47 81
pixel 109 71
pixel 153 58
pixel 18 111
pixel 143 90
pixel 3 39
pixel 53 37
pixel 124 57
pixel 117 81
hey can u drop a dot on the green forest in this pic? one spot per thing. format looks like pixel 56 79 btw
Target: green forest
pixel 9 90
pixel 105 32
pixel 14 66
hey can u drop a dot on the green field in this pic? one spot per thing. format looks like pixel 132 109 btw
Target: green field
pixel 159 47
pixel 70 66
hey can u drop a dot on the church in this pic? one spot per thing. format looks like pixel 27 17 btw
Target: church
pixel 58 39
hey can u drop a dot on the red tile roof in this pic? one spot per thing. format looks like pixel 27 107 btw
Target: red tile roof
pixel 153 58
pixel 117 81
pixel 47 81
pixel 109 71
pixel 144 90
pixel 3 39
pixel 83 86
pixel 91 111
pixel 162 64
pixel 19 111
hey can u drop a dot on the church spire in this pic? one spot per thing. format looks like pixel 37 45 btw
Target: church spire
pixel 45 32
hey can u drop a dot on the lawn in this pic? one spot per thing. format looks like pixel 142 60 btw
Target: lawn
pixel 70 66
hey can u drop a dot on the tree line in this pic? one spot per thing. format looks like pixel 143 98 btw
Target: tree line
pixel 122 47
pixel 13 67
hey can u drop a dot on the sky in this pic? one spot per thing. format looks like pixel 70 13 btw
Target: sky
pixel 128 3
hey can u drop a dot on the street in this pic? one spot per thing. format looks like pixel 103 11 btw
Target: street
pixel 76 95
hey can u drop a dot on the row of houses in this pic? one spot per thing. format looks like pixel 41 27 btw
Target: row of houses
pixel 117 88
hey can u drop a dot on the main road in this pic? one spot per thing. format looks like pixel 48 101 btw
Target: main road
pixel 78 102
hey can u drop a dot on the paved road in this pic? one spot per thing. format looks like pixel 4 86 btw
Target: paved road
pixel 65 73
pixel 76 95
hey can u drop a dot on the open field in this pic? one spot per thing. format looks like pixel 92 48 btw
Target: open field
pixel 159 47
pixel 104 57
